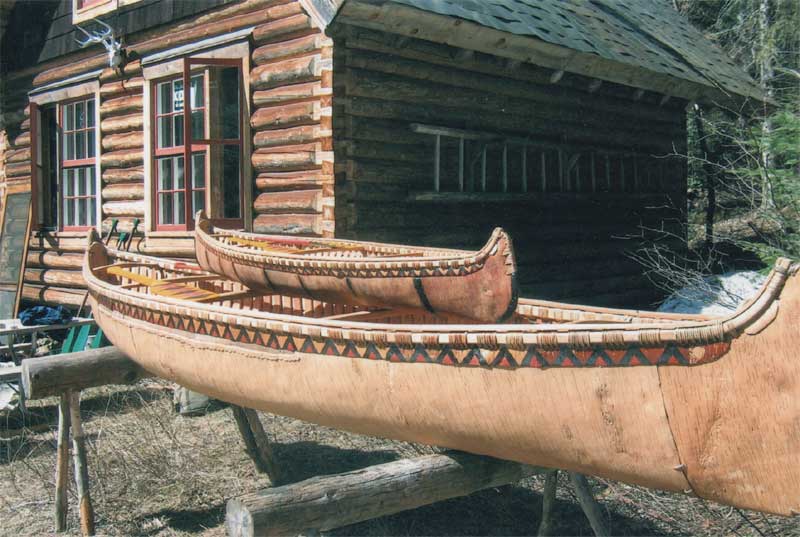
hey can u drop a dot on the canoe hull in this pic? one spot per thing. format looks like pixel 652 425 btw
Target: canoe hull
pixel 728 430
pixel 481 287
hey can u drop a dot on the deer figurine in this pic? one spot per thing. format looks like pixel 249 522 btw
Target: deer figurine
pixel 107 37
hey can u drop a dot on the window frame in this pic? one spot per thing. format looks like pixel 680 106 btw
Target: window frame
pixel 88 163
pixel 190 67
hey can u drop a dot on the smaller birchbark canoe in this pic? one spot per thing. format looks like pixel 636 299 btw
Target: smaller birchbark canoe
pixel 676 402
pixel 478 285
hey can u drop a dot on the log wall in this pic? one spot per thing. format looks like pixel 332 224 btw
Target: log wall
pixel 290 92
pixel 593 180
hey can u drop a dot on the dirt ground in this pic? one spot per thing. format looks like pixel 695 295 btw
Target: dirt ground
pixel 154 473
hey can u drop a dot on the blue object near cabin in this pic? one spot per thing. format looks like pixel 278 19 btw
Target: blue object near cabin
pixel 45 315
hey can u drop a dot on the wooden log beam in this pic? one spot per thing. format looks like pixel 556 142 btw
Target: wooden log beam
pixel 327 502
pixel 123 175
pixel 85 509
pixel 18 169
pixel 54 260
pixel 18 155
pixel 284 28
pixel 124 208
pixel 122 87
pixel 294 201
pixel 125 140
pixel 62 463
pixel 22 140
pixel 589 505
pixel 125 158
pixel 287 93
pixel 279 117
pixel 282 137
pixel 548 502
pixel 127 104
pixel 290 224
pixel 300 160
pixel 299 180
pixel 53 375
pixel 132 122
pixel 64 278
pixel 256 442
pixel 292 71
pixel 285 49
pixel 123 191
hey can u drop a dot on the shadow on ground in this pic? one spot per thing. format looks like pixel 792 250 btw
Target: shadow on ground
pixel 507 510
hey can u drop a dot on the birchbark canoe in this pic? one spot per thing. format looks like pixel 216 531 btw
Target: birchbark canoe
pixel 480 285
pixel 674 402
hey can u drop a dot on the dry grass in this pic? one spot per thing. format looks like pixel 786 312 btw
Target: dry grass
pixel 155 473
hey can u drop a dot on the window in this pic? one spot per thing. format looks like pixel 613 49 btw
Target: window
pixel 78 180
pixel 198 144
pixel 66 178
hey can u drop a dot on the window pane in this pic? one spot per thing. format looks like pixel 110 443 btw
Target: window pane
pixel 180 209
pixel 164 98
pixel 177 95
pixel 230 182
pixel 81 219
pixel 80 116
pixel 90 113
pixel 197 92
pixel 229 102
pixel 178 173
pixel 197 126
pixel 68 184
pixel 177 123
pixel 90 143
pixel 81 180
pixel 92 181
pixel 80 144
pixel 165 132
pixel 198 182
pixel 69 212
pixel 165 173
pixel 198 170
pixel 69 121
pixel 92 211
pixel 165 208
pixel 69 146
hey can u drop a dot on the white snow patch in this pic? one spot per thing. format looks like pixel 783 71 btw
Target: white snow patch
pixel 719 295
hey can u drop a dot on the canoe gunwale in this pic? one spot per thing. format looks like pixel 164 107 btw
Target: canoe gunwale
pixel 441 265
pixel 546 336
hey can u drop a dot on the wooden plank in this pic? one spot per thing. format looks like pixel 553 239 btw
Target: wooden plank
pixel 85 509
pixel 327 502
pixel 62 463
pixel 53 375
pixel 256 442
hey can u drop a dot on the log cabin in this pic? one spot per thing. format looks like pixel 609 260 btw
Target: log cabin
pixel 411 121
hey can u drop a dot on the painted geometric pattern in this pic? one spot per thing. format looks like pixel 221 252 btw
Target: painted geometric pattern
pixel 501 356
pixel 312 268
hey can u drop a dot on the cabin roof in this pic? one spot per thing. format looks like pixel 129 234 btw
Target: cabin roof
pixel 645 34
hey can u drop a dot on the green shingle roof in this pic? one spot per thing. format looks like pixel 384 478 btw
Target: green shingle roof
pixel 647 34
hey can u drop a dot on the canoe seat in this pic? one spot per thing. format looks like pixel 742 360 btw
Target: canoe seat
pixel 165 287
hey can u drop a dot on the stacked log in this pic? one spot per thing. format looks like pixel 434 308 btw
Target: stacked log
pixel 122 140
pixel 577 197
pixel 291 123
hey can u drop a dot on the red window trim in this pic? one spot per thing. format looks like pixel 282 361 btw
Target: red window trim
pixel 193 146
pixel 75 163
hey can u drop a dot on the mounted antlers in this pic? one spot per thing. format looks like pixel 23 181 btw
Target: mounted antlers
pixel 107 37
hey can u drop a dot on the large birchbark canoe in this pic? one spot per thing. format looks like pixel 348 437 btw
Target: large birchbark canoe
pixel 480 285
pixel 682 403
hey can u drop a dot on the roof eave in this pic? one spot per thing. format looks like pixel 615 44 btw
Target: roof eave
pixel 408 21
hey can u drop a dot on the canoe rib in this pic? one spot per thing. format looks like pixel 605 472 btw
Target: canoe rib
pixel 479 285
pixel 470 387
